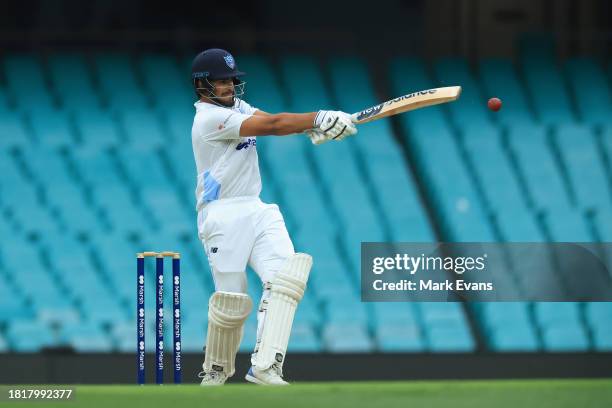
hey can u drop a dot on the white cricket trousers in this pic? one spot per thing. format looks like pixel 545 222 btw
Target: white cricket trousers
pixel 240 231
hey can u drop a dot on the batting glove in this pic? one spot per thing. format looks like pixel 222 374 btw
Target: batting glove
pixel 336 125
pixel 317 137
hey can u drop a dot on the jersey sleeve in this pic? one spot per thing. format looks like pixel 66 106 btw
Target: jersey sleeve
pixel 246 108
pixel 220 124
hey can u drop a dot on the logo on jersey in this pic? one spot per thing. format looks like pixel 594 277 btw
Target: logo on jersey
pixel 247 144
pixel 229 60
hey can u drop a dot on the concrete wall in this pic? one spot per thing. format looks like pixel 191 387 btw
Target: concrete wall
pixel 66 368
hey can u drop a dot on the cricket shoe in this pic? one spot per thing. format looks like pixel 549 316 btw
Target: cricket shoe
pixel 212 378
pixel 269 376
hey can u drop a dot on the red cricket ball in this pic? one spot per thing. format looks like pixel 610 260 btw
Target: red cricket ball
pixel 494 104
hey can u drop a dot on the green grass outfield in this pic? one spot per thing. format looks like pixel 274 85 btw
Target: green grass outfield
pixel 418 394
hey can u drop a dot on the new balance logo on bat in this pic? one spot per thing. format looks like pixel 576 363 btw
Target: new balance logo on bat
pixel 374 110
pixel 369 112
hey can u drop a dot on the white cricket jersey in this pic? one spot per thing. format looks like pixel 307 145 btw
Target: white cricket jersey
pixel 227 164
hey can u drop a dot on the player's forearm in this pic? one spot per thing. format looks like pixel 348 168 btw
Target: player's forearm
pixel 279 124
pixel 290 123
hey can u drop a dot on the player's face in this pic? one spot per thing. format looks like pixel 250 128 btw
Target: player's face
pixel 224 90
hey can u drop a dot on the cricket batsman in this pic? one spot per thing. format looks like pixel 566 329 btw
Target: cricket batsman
pixel 237 228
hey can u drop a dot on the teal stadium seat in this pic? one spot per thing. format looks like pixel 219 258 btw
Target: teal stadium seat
pixel 12 177
pixel 446 327
pixel 336 287
pixel 519 337
pixel 72 82
pixel 57 314
pixel 555 313
pixel 598 316
pixel 440 313
pixel 492 167
pixel 24 77
pixel 117 77
pixel 12 304
pixel 122 334
pixel 343 310
pixel 518 225
pixel 193 337
pixel 347 338
pixel 455 339
pixel 603 224
pixel 394 313
pixel 529 144
pixel 303 339
pixel 75 266
pixel 89 344
pixel 330 279
pixel 33 218
pixel 561 326
pixel 96 130
pixel 29 335
pixel 167 209
pixel 507 327
pixel 143 128
pixel 119 208
pixel 103 310
pixel 91 329
pixel 13 131
pixel 53 309
pixel 566 338
pixel 581 160
pixel 300 193
pixel 28 272
pixel 5 101
pixel 249 338
pixel 265 93
pixel 589 86
pixel 392 337
pixel 309 312
pixel 545 84
pixel 163 79
pixel 602 337
pixel 144 167
pixel 574 227
pixel 606 142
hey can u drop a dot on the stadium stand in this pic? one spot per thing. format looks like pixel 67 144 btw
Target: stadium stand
pixel 112 133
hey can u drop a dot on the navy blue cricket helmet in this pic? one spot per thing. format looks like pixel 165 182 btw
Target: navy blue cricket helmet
pixel 214 63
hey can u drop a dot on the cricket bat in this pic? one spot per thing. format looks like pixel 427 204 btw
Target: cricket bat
pixel 412 101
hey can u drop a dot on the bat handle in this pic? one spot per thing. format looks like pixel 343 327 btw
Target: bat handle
pixel 354 118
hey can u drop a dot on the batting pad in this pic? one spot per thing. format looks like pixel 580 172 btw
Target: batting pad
pixel 227 312
pixel 287 289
